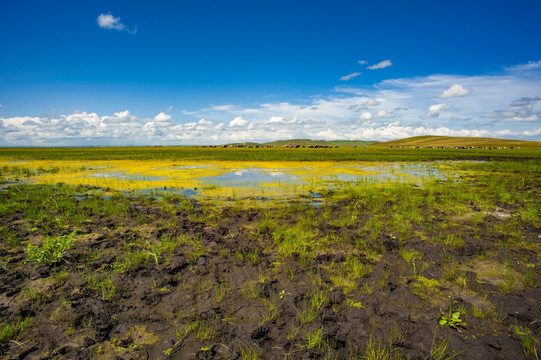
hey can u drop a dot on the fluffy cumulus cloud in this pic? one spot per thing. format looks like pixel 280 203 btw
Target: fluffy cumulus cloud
pixel 204 122
pixel 108 21
pixel 238 122
pixel 435 110
pixel 381 65
pixel 350 76
pixel 456 90
pixel 123 117
pixel 162 117
pixel 365 116
pixel 382 114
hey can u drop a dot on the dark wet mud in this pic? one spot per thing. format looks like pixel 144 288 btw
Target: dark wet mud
pixel 170 279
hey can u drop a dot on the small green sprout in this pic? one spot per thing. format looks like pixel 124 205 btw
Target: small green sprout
pixel 283 293
pixel 453 319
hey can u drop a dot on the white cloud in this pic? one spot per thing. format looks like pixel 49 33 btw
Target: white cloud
pixel 536 132
pixel 435 110
pixel 362 62
pixel 276 119
pixel 370 103
pixel 1 106
pixel 123 117
pixel 381 65
pixel 365 116
pixel 530 65
pixel 162 117
pixel 521 110
pixel 238 122
pixel 223 107
pixel 350 76
pixel 383 114
pixel 456 90
pixel 204 122
pixel 108 21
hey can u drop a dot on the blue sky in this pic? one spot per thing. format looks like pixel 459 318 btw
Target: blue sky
pixel 210 72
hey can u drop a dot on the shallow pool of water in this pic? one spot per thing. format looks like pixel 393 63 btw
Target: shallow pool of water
pixel 123 176
pixel 251 177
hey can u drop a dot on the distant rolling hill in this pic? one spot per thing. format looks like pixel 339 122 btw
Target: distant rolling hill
pixel 449 141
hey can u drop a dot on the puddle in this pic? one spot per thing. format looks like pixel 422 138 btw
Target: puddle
pixel 175 191
pixel 123 176
pixel 250 177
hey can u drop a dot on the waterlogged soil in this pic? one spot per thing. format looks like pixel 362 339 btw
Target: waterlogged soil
pixel 173 279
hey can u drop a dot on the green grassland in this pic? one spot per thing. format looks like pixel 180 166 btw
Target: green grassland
pixel 446 268
pixel 376 152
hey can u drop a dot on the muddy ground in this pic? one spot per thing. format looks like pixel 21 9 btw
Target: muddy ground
pixel 195 281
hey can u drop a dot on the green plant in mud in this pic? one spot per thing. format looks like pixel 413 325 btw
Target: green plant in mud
pixel 132 257
pixel 221 290
pixel 315 339
pixel 374 226
pixel 206 330
pixel 531 277
pixel 253 289
pixel 530 344
pixel 413 258
pixel 380 350
pixel 197 249
pixel 52 249
pixel 9 237
pixel 452 318
pixel 424 287
pixel 272 306
pixel 103 283
pixel 355 304
pixel 14 329
pixel 297 239
pixel 154 251
pixel 453 239
pixel 319 298
pixel 250 352
pixel 439 350
pixel 268 223
pixel 348 273
pixel 248 254
pixel 184 329
pixel 307 312
pixel 31 294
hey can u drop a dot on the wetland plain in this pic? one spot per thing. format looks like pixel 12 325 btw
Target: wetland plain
pixel 348 253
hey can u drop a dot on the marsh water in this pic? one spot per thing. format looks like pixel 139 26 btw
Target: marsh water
pixel 229 179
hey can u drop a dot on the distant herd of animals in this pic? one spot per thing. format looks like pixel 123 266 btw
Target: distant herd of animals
pixel 289 146
pixel 294 146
